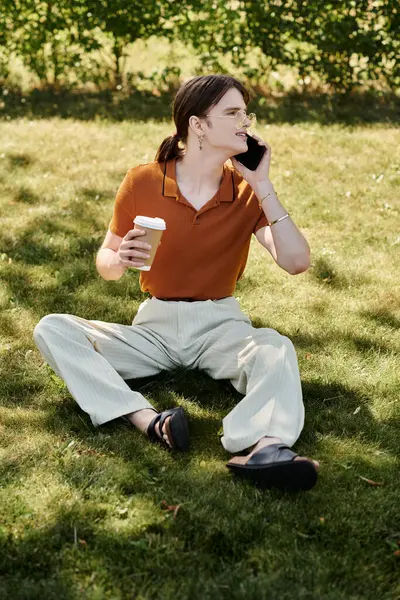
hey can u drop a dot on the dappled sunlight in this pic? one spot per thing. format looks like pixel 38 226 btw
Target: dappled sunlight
pixel 82 506
pixel 133 516
pixel 356 453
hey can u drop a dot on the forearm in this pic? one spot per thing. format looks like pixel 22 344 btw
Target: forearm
pixel 292 249
pixel 108 266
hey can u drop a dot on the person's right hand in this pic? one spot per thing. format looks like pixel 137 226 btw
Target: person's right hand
pixel 132 252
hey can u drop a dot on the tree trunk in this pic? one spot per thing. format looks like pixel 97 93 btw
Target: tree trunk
pixel 117 49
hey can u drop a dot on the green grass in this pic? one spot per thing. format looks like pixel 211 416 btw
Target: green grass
pixel 82 509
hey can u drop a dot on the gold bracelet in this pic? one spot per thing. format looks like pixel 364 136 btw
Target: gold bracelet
pixel 262 199
pixel 280 219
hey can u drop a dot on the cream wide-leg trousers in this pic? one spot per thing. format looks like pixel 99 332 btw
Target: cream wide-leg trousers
pixel 215 336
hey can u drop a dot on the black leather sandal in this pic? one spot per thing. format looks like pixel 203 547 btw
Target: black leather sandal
pixel 274 466
pixel 177 429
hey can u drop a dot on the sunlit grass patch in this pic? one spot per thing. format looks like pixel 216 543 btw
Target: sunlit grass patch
pixel 101 513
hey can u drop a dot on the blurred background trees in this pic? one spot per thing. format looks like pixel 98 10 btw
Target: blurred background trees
pixel 338 44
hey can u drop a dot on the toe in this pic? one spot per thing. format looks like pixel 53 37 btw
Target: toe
pixel 163 433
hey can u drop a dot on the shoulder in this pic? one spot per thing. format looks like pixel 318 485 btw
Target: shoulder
pixel 144 176
pixel 146 173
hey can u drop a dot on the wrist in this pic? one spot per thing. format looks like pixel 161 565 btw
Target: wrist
pixel 262 188
pixel 267 196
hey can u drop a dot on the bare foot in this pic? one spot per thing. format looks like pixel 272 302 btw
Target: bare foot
pixel 142 419
pixel 267 441
pixel 164 432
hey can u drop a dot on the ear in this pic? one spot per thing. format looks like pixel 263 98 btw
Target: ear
pixel 195 125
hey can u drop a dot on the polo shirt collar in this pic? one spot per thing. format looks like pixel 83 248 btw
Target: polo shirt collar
pixel 226 192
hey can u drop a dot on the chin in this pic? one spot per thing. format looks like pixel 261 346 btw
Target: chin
pixel 242 144
pixel 240 147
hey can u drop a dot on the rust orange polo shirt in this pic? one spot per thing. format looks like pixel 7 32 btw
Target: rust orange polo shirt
pixel 202 253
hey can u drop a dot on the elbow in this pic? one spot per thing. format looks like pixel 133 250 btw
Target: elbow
pixel 99 269
pixel 299 266
pixel 297 269
pixel 109 274
pixel 103 272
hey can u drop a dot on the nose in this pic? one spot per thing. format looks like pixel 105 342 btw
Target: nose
pixel 246 120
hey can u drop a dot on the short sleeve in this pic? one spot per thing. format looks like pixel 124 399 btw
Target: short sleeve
pixel 124 208
pixel 262 222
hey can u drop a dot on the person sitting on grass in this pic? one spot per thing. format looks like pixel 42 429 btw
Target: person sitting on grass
pixel 192 320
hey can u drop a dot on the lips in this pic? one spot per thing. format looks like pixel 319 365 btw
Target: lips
pixel 242 135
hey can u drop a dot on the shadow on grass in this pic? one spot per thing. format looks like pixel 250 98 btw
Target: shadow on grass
pixel 67 293
pixel 35 243
pixel 130 543
pixel 19 161
pixel 331 410
pixel 26 196
pixel 382 317
pixel 226 534
pixel 350 109
pixel 325 273
pixel 7 324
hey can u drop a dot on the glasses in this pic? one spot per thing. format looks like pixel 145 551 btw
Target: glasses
pixel 240 117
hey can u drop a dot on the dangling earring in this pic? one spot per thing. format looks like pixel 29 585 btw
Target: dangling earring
pixel 201 137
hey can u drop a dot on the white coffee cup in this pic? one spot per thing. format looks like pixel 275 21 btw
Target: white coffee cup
pixel 154 228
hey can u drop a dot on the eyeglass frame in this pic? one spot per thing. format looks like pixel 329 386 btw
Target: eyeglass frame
pixel 251 116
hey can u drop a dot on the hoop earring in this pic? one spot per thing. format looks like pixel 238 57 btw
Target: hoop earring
pixel 201 137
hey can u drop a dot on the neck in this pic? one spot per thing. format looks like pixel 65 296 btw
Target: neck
pixel 200 168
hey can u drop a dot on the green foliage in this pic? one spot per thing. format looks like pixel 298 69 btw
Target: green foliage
pixel 340 43
pixel 344 43
pixel 54 38
pixel 47 36
pixel 164 80
pixel 214 28
pixel 125 21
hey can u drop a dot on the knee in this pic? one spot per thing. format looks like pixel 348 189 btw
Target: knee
pixel 47 324
pixel 278 344
pixel 288 345
pixel 288 353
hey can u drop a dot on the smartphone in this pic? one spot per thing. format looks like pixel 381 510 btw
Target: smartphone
pixel 251 159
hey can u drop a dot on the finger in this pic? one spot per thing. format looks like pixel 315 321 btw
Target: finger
pixel 129 254
pixel 260 141
pixel 138 246
pixel 267 153
pixel 133 233
pixel 131 263
pixel 256 137
pixel 135 245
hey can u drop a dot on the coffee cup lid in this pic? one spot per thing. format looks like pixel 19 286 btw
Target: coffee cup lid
pixel 149 222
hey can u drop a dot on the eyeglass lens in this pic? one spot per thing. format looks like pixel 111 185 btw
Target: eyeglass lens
pixel 242 117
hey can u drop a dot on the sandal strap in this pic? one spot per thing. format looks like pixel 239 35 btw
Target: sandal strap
pixel 160 418
pixel 151 430
pixel 274 453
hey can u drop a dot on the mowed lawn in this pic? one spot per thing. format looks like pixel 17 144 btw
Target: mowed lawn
pixel 101 513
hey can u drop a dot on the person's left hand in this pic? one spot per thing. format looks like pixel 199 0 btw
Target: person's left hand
pixel 261 174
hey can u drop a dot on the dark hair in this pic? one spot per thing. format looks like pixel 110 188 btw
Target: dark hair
pixel 195 97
